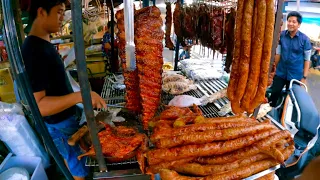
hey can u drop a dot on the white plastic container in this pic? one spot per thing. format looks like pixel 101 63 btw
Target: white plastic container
pixel 32 164
pixel 19 137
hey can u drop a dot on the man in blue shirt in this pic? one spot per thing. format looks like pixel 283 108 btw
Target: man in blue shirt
pixel 292 57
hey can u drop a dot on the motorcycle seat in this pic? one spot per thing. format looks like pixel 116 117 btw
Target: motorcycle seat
pixel 309 121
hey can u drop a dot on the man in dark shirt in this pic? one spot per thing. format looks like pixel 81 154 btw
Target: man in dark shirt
pixel 52 90
pixel 292 57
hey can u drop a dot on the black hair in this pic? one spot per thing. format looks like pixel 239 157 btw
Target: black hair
pixel 47 5
pixel 295 14
pixel 183 44
pixel 109 24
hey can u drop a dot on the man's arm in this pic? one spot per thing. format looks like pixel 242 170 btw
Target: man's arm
pixel 307 58
pixel 277 59
pixel 306 68
pixel 50 105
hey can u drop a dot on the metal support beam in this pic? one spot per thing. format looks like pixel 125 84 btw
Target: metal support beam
pixel 76 10
pixel 276 32
pixel 146 3
pixel 113 55
pixel 17 65
pixel 176 55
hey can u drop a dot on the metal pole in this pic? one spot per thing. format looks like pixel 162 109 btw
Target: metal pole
pixel 277 29
pixel 146 3
pixel 154 2
pixel 176 57
pixel 113 56
pixel 76 10
pixel 16 63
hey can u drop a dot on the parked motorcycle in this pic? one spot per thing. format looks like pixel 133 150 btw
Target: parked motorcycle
pixel 297 113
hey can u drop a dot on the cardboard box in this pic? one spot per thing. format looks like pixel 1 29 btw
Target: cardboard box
pixel 6 86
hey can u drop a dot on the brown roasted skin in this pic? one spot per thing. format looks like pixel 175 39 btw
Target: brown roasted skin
pixel 168 41
pixel 171 132
pixel 244 56
pixel 130 77
pixel 256 55
pixel 234 76
pixel 115 146
pixel 177 20
pixel 274 142
pixel 215 148
pixel 212 135
pixel 167 165
pixel 237 173
pixel 235 119
pixel 206 170
pixel 266 55
pixel 173 112
pixel 148 34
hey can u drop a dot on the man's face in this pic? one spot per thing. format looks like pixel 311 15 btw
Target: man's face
pixel 293 24
pixel 52 21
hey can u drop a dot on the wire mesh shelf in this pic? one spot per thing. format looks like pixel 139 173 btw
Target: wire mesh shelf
pixel 91 162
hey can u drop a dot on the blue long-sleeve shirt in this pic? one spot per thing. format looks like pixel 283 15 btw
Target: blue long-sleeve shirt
pixel 293 52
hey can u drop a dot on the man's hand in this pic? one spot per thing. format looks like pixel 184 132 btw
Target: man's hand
pixel 303 80
pixel 97 101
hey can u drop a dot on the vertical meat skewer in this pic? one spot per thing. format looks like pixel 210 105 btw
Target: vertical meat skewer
pixel 148 40
pixel 244 56
pixel 236 57
pixel 266 54
pixel 256 53
pixel 130 77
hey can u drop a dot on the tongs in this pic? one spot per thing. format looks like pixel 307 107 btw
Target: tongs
pixel 101 118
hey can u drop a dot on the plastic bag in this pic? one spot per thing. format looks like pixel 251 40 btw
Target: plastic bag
pixel 19 137
pixel 14 108
pixel 114 112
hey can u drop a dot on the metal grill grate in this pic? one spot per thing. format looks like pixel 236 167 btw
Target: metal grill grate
pixel 205 88
pixel 90 162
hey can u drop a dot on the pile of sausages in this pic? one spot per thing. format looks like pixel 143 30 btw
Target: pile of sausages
pixel 214 148
pixel 252 52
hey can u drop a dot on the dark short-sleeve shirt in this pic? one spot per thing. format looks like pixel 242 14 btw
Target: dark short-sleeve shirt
pixel 46 72
pixel 292 56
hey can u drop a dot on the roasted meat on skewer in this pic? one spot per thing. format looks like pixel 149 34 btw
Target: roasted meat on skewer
pixel 130 77
pixel 148 34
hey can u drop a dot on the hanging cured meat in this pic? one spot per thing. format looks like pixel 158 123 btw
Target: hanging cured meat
pixel 252 52
pixel 168 41
pixel 229 34
pixel 130 77
pixel 148 40
pixel 177 20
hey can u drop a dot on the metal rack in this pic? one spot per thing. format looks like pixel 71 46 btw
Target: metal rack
pixel 90 162
pixel 205 88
